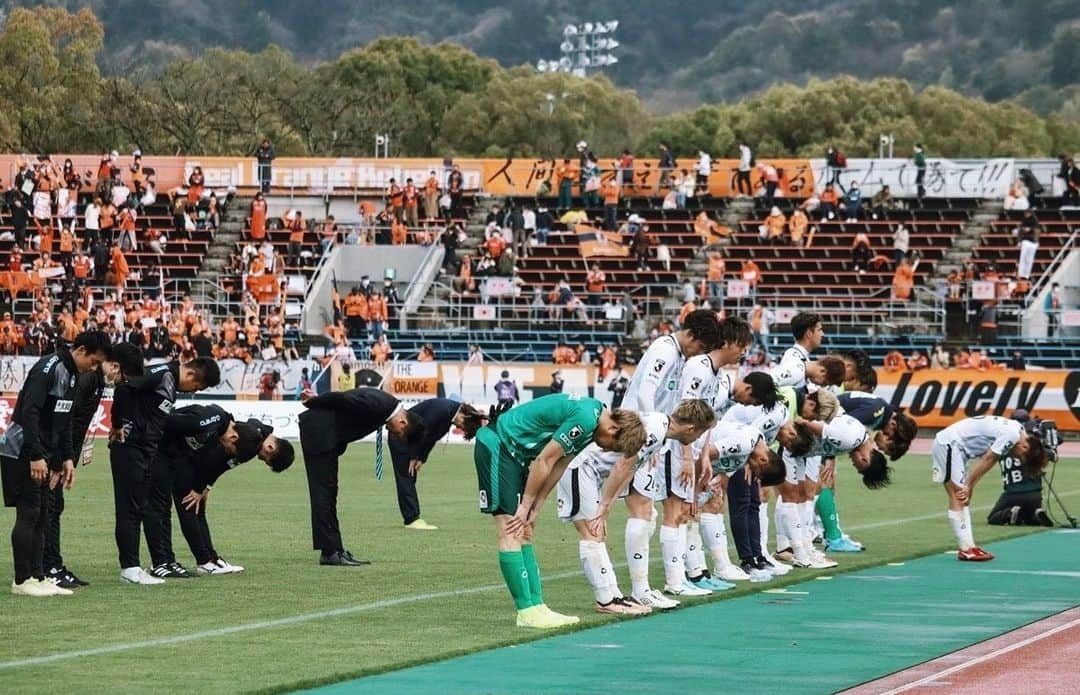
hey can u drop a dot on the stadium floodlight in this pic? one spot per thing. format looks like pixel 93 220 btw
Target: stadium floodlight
pixel 566 47
pixel 569 30
pixel 565 64
pixel 612 25
pixel 588 27
pixel 583 47
pixel 578 72
pixel 541 66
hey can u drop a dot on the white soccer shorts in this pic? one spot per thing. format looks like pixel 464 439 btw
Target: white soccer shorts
pixel 947 463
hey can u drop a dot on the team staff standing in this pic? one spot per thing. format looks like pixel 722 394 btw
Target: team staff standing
pixel 330 423
pixel 36 453
pixel 439 415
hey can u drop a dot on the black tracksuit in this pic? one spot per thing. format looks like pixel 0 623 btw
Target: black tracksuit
pixel 329 424
pixel 88 390
pixel 438 416
pixel 140 408
pixel 40 429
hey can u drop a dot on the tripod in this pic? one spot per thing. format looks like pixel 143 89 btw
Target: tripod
pixel 1052 495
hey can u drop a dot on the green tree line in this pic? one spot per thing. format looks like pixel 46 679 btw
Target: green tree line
pixel 444 100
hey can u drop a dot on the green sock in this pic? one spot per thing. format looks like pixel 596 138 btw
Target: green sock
pixel 533 569
pixel 826 509
pixel 516 577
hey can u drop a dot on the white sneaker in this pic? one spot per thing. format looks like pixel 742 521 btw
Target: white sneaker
pixel 818 561
pixel 687 589
pixel 31 587
pixel 777 568
pixel 654 599
pixel 758 576
pixel 137 575
pixel 53 585
pixel 228 568
pixel 731 573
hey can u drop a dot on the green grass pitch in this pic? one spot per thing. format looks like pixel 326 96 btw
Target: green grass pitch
pixel 428 595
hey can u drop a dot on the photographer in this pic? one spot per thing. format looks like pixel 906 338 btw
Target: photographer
pixel 1020 503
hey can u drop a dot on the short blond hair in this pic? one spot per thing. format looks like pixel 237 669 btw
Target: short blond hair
pixel 631 437
pixel 827 405
pixel 695 413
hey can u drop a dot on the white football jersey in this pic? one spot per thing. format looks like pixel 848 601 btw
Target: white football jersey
pixel 768 422
pixel 792 368
pixel 656 427
pixel 654 388
pixel 733 443
pixel 977 435
pixel 843 434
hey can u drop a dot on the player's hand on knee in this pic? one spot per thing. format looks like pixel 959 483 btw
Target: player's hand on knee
pixel 962 493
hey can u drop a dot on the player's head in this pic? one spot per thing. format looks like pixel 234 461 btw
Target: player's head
pixel 701 332
pixel 796 438
pixel 90 349
pixel 691 419
pixel 828 371
pixel 620 430
pixel 819 405
pixel 900 431
pixel 470 420
pixel 1031 452
pixel 766 465
pixel 277 453
pixel 807 330
pixel 405 424
pixel 198 374
pixel 756 388
pixel 871 465
pixel 733 338
pixel 858 371
pixel 128 359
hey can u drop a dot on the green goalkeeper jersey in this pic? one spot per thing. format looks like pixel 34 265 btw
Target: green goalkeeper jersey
pixel 526 429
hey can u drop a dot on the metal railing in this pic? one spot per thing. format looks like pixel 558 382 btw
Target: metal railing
pixel 1037 287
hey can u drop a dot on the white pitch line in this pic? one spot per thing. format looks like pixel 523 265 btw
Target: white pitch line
pixel 928 517
pixel 346 610
pixel 985 657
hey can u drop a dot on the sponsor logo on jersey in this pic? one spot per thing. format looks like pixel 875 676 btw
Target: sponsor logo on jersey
pixel 658 366
pixel 165 407
pixel 575 432
pixel 695 383
pixel 62 406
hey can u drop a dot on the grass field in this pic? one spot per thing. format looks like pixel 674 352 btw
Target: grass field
pixel 286 622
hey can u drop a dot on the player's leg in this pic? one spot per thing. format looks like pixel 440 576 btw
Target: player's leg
pixel 715 537
pixel 949 468
pixel 640 524
pixel 775 566
pixel 810 488
pixel 673 532
pixel 739 494
pixel 836 541
pixel 788 511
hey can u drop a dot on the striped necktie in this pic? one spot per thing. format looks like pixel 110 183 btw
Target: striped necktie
pixel 378 454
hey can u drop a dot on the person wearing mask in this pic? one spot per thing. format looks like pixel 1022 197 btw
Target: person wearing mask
pixel 265 154
pixel 439 415
pixel 556 382
pixel 506 391
pixel 330 422
pixel 36 453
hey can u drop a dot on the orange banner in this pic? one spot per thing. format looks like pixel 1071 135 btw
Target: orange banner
pixel 504 177
pixel 940 397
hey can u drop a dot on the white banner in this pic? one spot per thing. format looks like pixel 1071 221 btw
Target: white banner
pixel 945 178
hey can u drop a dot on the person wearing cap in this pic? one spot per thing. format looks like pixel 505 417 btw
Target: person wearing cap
pixel 1020 503
pixel 557 383
pixel 199 468
pixel 330 422
pixel 439 415
pixel 506 391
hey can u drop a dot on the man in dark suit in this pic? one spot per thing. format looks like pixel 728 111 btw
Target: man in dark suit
pixel 330 422
pixel 439 415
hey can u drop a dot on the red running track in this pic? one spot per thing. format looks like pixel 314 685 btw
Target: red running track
pixel 1038 659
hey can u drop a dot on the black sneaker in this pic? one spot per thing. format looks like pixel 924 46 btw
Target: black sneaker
pixel 1042 518
pixel 762 564
pixel 62 578
pixel 173 570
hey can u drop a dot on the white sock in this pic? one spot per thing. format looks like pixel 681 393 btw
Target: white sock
pixel 763 522
pixel 819 528
pixel 653 516
pixel 637 554
pixel 714 535
pixel 592 564
pixel 782 540
pixel 970 538
pixel 961 527
pixel 806 518
pixel 788 515
pixel 695 550
pixel 672 547
pixel 608 570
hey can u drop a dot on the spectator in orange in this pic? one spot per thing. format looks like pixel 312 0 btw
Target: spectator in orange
pixel 195 186
pixel 335 332
pixel 399 233
pixel 410 197
pixel 717 268
pixel 773 226
pixel 328 234
pixel 770 179
pixel 377 314
pixel 829 202
pixel 595 283
pixel 607 362
pixel 918 360
pixel 230 329
pixel 381 350
pixel 495 245
pixel 611 204
pixel 81 267
pixel 751 273
pixel 465 282
pixel 797 226
pixel 258 265
pixel 894 361
pixel 685 311
pixel 708 229
pixel 258 217
pixel 395 199
pixel 564 354
pixel 356 313
pixel 297 227
pixel 904 279
pixel 67 247
pixel 120 268
pixel 431 197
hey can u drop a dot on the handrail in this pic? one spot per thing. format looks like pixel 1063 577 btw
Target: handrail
pixel 422 281
pixel 1048 272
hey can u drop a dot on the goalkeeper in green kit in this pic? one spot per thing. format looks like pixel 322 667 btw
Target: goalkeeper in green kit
pixel 519 459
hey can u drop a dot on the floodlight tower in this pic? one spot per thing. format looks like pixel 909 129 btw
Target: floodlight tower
pixel 584 47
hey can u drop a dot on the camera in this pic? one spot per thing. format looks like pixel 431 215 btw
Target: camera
pixel 1048 434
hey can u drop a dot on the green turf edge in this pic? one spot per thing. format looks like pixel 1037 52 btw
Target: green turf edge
pixel 525 638
pixel 987 639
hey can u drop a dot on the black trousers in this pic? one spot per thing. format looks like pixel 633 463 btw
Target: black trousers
pixel 407 499
pixel 31 516
pixel 322 478
pixel 744 500
pixel 193 524
pixel 742 182
pixel 157 524
pixel 131 470
pixel 1028 502
pixel 53 558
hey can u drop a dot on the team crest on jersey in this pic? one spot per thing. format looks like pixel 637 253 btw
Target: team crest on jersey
pixel 561 504
pixel 483 499
pixel 695 384
pixel 651 441
pixel 575 432
pixel 658 366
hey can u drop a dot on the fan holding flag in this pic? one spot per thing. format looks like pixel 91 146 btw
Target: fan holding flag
pixel 331 421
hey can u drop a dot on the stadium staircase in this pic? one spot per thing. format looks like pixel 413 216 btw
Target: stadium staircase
pixel 966 240
pixel 206 290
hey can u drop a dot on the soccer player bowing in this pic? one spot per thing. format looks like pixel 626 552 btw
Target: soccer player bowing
pixel 36 453
pixel 439 415
pixel 985 439
pixel 519 459
pixel 585 499
pixel 331 421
